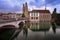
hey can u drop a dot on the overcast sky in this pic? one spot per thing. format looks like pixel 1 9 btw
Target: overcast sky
pixel 16 5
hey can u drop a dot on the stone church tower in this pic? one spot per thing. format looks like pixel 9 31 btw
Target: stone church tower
pixel 25 10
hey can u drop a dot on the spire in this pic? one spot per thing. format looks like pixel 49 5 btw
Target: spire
pixel 23 8
pixel 45 6
pixel 23 5
pixel 26 5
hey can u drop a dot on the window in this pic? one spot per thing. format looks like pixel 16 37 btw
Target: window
pixel 36 17
pixel 31 17
pixel 37 14
pixel 34 14
pixel 31 14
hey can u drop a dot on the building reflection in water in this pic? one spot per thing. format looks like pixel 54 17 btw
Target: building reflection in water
pixel 42 26
pixel 37 26
pixel 31 30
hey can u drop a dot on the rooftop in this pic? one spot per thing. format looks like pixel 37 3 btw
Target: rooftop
pixel 40 11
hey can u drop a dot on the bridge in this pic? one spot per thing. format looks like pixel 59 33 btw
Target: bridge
pixel 13 23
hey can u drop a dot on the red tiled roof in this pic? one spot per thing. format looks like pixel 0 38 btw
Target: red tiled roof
pixel 40 11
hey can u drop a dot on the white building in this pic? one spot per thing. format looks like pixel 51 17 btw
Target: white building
pixel 40 15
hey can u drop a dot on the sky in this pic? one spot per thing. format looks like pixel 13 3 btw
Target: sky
pixel 16 5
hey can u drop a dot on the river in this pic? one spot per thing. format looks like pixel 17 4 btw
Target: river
pixel 35 31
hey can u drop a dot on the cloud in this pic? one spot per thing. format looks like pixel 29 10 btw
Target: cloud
pixel 58 8
pixel 16 5
pixel 50 5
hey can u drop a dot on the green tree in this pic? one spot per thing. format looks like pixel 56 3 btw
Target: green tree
pixel 54 14
pixel 23 15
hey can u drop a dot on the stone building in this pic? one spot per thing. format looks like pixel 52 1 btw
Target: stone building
pixel 10 16
pixel 5 16
pixel 36 15
pixel 25 10
pixel 58 19
pixel 40 15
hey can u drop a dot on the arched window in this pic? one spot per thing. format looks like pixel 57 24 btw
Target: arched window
pixel 31 17
pixel 36 17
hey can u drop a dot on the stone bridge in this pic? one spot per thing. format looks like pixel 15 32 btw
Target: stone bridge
pixel 15 23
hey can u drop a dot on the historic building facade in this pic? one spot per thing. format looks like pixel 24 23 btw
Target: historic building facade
pixel 40 15
pixel 36 15
pixel 25 10
pixel 11 16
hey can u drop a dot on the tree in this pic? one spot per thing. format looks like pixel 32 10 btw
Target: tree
pixel 54 15
pixel 23 15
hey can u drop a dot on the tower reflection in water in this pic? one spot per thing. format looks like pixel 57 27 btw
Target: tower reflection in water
pixel 25 28
pixel 25 31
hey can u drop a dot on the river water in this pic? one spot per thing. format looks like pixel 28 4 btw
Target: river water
pixel 32 31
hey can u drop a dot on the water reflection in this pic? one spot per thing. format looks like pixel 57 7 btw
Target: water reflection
pixel 54 27
pixel 32 31
pixel 15 34
pixel 38 26
pixel 25 28
pixel 36 29
pixel 25 31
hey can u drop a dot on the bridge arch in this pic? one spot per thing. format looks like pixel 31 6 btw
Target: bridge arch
pixel 8 26
pixel 12 24
pixel 21 24
pixel 18 22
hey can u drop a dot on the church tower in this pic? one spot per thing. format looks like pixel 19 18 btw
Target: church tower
pixel 25 10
